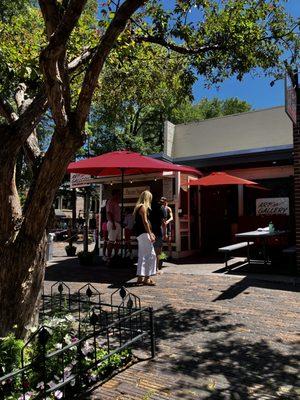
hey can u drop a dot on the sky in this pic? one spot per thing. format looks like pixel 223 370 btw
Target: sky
pixel 255 90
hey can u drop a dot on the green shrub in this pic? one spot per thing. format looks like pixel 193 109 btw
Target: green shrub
pixel 60 331
pixel 10 353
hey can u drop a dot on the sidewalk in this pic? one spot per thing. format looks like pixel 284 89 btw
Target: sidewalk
pixel 219 336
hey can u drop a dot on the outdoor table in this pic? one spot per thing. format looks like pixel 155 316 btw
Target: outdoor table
pixel 260 234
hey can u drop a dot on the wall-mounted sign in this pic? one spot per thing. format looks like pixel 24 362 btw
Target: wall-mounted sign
pixel 290 99
pixel 80 180
pixel 168 189
pixel 134 192
pixel 273 206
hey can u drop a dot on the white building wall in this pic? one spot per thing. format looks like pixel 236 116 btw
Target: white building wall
pixel 169 131
pixel 256 129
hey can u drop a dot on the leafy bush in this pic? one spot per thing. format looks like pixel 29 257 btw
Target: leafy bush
pixel 10 353
pixel 57 332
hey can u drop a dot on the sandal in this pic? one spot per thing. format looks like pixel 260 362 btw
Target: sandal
pixel 149 283
pixel 139 282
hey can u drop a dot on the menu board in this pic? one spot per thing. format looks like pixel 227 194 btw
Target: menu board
pixel 134 192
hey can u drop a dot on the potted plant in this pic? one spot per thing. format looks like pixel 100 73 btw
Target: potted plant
pixel 162 257
pixel 86 257
pixel 70 249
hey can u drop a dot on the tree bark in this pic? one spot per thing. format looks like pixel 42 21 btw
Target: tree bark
pixel 20 289
pixel 22 254
pixel 10 209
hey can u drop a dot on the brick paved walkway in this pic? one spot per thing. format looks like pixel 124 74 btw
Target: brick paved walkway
pixel 218 336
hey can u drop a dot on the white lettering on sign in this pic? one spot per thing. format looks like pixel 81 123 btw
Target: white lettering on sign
pixel 80 180
pixel 273 206
pixel 134 192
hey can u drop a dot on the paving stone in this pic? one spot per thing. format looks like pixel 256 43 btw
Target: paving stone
pixel 218 336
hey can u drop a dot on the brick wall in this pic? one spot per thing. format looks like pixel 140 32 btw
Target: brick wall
pixel 296 135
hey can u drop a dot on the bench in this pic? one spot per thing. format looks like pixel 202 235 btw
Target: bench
pixel 229 249
pixel 290 250
pixel 290 253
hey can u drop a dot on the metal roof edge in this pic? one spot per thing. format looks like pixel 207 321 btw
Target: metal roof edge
pixel 235 153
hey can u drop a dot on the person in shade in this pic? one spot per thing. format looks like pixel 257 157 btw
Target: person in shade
pixel 157 219
pixel 113 214
pixel 168 224
pixel 128 225
pixel 104 232
pixel 146 266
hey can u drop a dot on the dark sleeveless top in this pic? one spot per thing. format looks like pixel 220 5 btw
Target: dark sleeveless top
pixel 139 227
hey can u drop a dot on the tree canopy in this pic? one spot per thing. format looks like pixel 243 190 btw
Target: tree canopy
pixel 135 98
pixel 205 109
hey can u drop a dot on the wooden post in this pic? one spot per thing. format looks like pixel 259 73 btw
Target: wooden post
pixel 87 221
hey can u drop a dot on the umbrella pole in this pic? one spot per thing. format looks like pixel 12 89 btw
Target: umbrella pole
pixel 122 213
pixel 86 225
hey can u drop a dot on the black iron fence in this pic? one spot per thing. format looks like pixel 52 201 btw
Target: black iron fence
pixel 81 339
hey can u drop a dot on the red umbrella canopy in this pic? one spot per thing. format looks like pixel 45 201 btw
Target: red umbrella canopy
pixel 220 178
pixel 130 163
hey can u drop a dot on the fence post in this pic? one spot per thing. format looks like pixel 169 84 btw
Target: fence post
pixel 152 332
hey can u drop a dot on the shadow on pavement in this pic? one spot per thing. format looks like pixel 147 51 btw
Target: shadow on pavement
pixel 223 364
pixel 69 270
pixel 244 284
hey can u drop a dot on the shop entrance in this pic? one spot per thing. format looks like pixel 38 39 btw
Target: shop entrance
pixel 219 215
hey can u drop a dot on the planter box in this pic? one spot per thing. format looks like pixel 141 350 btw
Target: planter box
pixel 71 251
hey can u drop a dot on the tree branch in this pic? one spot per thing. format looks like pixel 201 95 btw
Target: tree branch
pixel 51 15
pixel 116 27
pixel 29 119
pixel 7 111
pixel 82 59
pixel 176 47
pixel 52 62
pixel 32 151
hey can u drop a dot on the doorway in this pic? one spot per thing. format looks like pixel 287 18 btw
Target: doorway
pixel 194 218
pixel 219 213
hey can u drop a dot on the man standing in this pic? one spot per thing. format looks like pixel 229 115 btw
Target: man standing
pixel 157 218
pixel 113 214
pixel 167 224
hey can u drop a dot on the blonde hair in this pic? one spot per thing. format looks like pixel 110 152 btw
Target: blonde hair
pixel 145 200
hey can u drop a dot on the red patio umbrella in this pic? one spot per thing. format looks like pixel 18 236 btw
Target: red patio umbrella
pixel 125 162
pixel 220 178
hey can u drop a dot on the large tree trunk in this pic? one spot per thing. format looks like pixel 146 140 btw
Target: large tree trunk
pixel 10 208
pixel 21 276
pixel 23 247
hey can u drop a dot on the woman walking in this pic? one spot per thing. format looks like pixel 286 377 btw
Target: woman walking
pixel 146 266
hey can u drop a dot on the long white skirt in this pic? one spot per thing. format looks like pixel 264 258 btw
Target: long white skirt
pixel 146 256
